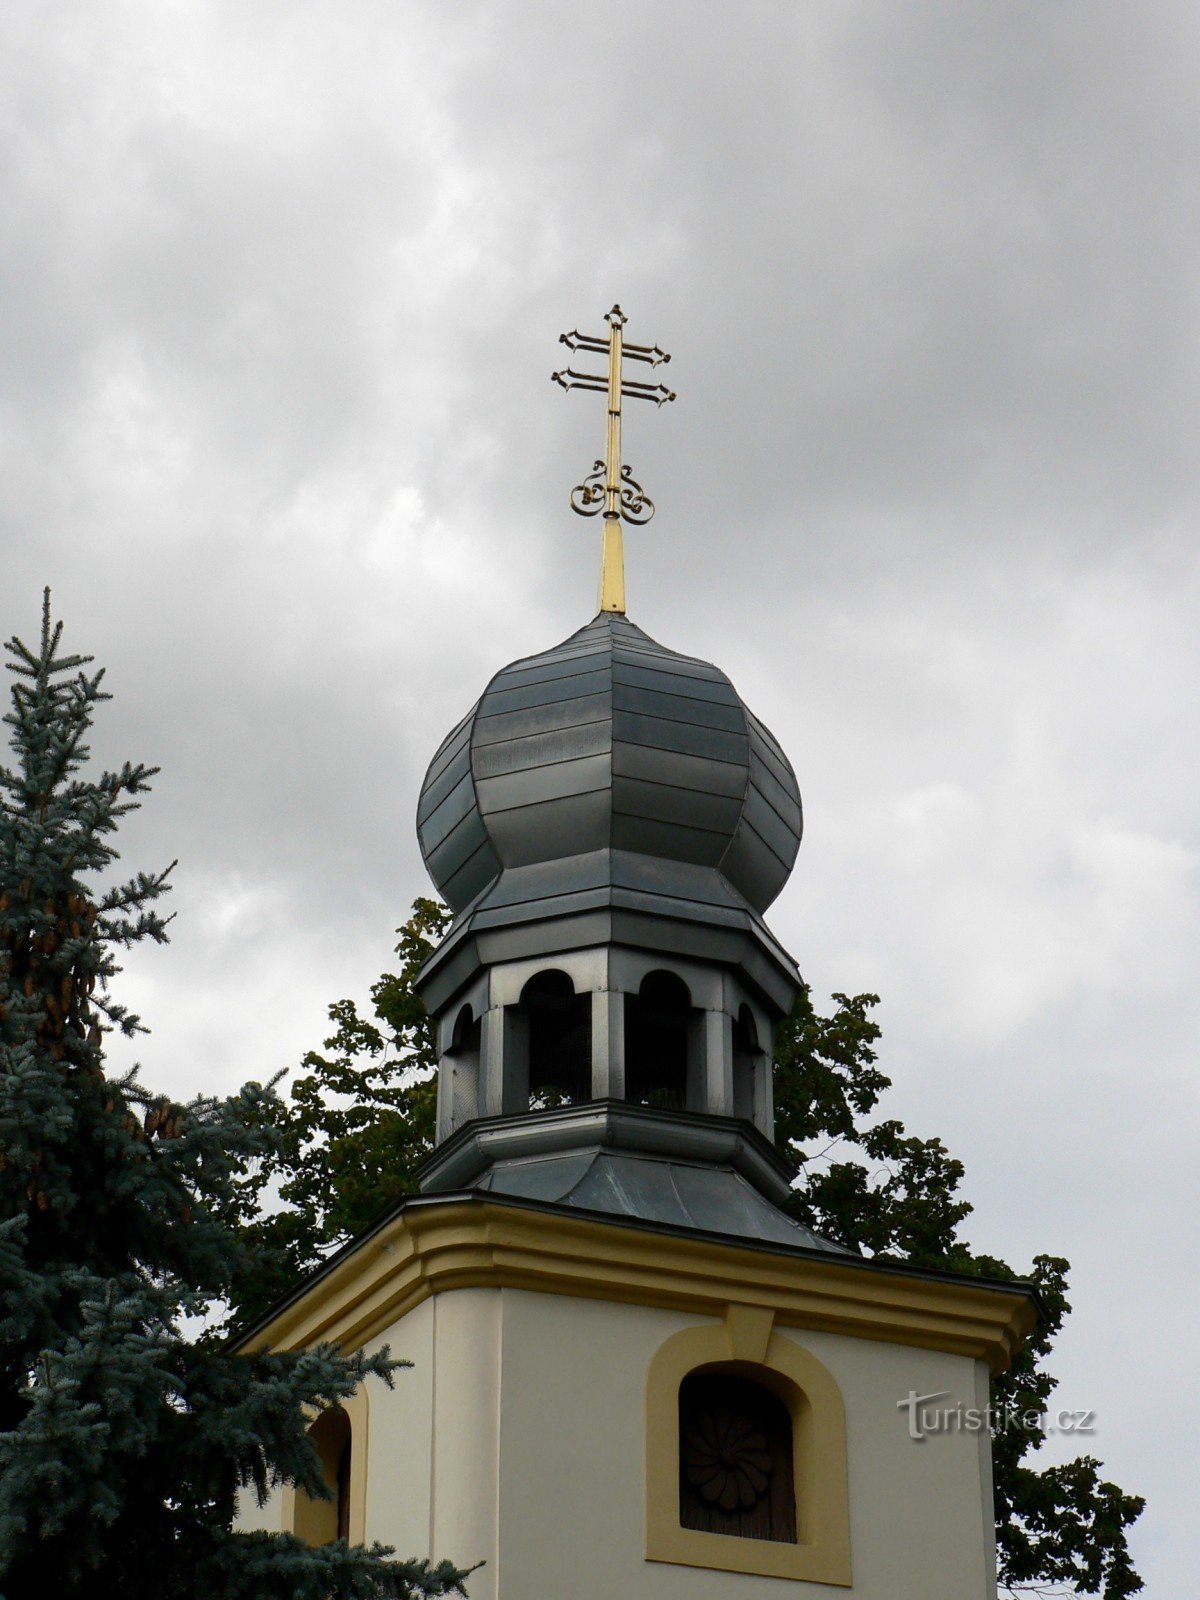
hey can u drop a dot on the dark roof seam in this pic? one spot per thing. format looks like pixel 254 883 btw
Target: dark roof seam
pixel 784 776
pixel 428 807
pixel 462 867
pixel 673 660
pixel 763 775
pixel 428 823
pixel 547 800
pixel 771 806
pixel 546 766
pixel 677 688
pixel 546 686
pixel 745 794
pixel 667 661
pixel 671 714
pixel 681 722
pixel 535 765
pixel 445 754
pixel 680 828
pixel 766 844
pixel 564 667
pixel 495 716
pixel 446 837
pixel 678 788
pixel 674 750
pixel 768 736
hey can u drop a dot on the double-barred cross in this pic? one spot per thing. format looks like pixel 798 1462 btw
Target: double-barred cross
pixel 611 487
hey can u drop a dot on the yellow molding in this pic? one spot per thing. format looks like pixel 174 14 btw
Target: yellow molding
pixel 356 1408
pixel 433 1249
pixel 821 1553
pixel 748 1330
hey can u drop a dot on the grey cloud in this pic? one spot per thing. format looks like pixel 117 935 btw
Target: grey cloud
pixel 281 292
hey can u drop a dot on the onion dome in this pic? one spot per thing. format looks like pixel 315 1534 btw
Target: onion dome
pixel 610 743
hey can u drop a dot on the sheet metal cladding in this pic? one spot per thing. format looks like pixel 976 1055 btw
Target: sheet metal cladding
pixel 610 742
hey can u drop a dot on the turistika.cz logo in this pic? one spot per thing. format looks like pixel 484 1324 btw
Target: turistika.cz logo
pixel 925 1416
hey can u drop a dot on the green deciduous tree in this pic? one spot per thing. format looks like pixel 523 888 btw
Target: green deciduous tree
pixel 892 1195
pixel 360 1119
pixel 358 1123
pixel 123 1442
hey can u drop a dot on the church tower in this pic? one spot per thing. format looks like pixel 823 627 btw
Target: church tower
pixel 633 1373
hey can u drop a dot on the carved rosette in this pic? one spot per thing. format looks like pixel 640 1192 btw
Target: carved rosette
pixel 726 1460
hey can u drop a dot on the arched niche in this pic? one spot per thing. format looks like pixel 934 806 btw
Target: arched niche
pixel 462 1065
pixel 794 1402
pixel 736 1456
pixel 659 1042
pixel 558 1041
pixel 339 1436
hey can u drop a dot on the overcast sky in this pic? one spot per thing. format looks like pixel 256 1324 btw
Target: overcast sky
pixel 281 287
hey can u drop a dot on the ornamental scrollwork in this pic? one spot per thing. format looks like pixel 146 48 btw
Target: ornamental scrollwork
pixel 633 504
pixel 587 498
pixel 636 505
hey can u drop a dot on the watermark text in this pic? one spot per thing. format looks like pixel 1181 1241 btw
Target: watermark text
pixel 928 1414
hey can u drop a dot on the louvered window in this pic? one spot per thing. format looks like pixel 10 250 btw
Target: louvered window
pixel 736 1473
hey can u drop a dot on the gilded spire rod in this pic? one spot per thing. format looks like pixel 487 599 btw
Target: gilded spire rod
pixel 610 486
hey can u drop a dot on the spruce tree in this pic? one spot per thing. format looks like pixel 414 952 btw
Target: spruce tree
pixel 124 1443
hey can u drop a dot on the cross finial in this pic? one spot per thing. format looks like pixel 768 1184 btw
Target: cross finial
pixel 611 487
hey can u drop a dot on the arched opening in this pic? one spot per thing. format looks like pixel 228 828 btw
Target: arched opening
pixel 656 1042
pixel 736 1458
pixel 746 1056
pixel 804 1531
pixel 560 1041
pixel 322 1521
pixel 464 1068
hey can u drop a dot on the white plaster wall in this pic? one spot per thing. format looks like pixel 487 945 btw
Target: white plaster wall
pixel 571 1385
pixel 253 1518
pixel 920 1511
pixel 983 1446
pixel 400 1439
pixel 466 1422
pixel 518 1439
pixel 399 1447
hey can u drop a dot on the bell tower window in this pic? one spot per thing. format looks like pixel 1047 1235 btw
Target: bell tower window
pixel 746 1453
pixel 464 1068
pixel 656 1042
pixel 736 1473
pixel 560 1042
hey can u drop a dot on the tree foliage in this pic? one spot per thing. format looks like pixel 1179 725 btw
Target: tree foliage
pixel 358 1123
pixel 870 1185
pixel 123 1442
pixel 361 1119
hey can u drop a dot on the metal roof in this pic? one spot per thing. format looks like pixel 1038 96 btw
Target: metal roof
pixel 685 1170
pixel 610 746
pixel 679 1194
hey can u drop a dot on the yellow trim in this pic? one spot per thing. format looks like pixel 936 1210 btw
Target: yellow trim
pixel 356 1410
pixel 430 1249
pixel 822 1551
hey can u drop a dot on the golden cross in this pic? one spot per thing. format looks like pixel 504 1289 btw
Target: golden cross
pixel 611 487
